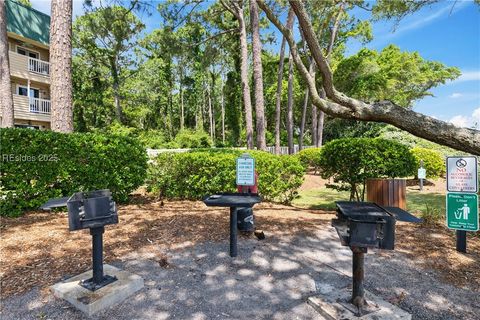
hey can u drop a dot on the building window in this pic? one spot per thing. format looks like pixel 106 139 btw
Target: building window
pixel 25 52
pixel 27 126
pixel 23 91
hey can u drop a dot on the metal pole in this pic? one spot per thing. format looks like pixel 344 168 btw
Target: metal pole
pixel 97 254
pixel 462 241
pixel 358 294
pixel 233 232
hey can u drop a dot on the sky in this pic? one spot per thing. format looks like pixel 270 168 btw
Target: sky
pixel 447 31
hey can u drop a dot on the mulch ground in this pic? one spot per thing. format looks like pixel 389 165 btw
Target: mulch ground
pixel 37 250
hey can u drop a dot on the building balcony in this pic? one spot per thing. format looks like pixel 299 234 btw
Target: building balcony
pixel 29 68
pixel 29 108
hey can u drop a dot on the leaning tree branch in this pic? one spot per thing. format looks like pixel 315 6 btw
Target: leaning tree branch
pixel 346 107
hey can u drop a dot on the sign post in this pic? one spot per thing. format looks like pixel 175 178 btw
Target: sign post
pixel 462 198
pixel 422 174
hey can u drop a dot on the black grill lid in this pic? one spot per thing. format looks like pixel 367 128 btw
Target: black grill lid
pixel 232 199
pixel 357 210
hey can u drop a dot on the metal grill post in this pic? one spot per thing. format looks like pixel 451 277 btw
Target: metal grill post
pixel 358 294
pixel 233 232
pixel 97 254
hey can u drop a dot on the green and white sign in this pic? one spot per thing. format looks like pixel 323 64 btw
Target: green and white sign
pixel 245 170
pixel 462 211
pixel 422 173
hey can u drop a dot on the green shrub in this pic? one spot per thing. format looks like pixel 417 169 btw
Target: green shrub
pixel 351 161
pixel 432 215
pixel 38 165
pixel 433 161
pixel 192 175
pixel 193 139
pixel 152 139
pixel 310 158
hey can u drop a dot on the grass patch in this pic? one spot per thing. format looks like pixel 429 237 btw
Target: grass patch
pixel 320 199
pixel 324 199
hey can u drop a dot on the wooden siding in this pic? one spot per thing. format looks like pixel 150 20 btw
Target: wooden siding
pixel 19 68
pixel 21 110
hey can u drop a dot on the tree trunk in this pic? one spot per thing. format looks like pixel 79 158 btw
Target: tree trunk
pixel 247 101
pixel 314 125
pixel 304 110
pixel 290 106
pixel 182 107
pixel 61 66
pixel 278 97
pixel 212 94
pixel 258 77
pixel 6 99
pixel 333 36
pixel 210 112
pixel 342 106
pixel 223 116
pixel 116 90
pixel 321 121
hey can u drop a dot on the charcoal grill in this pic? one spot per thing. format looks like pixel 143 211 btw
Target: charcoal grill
pixel 363 225
pixel 233 201
pixel 90 210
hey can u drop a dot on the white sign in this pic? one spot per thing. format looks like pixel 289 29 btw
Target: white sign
pixel 422 173
pixel 462 174
pixel 245 170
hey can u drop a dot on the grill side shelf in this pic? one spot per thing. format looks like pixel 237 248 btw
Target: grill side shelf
pixel 341 226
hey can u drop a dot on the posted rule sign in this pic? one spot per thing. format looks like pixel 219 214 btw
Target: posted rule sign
pixel 462 174
pixel 245 171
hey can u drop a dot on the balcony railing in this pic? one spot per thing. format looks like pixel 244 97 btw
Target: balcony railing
pixel 39 105
pixel 38 66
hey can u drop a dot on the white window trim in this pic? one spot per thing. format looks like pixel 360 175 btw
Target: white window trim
pixel 29 50
pixel 26 87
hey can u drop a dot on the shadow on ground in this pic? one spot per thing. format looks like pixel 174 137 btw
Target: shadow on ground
pixel 194 278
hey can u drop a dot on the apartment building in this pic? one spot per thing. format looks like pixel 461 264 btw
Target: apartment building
pixel 28 32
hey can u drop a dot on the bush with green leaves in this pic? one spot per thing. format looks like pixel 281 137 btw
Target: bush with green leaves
pixel 192 175
pixel 193 139
pixel 38 165
pixel 310 158
pixel 433 161
pixel 351 161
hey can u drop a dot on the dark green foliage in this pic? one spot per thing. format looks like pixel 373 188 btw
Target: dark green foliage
pixel 350 162
pixel 433 161
pixel 336 128
pixel 401 77
pixel 38 165
pixel 193 139
pixel 193 175
pixel 310 158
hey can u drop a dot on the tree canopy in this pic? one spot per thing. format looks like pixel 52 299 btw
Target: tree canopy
pixel 186 73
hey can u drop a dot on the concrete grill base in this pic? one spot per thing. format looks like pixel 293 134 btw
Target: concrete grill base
pixel 92 302
pixel 333 303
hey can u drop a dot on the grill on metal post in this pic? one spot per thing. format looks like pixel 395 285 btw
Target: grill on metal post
pixel 233 201
pixel 90 210
pixel 363 225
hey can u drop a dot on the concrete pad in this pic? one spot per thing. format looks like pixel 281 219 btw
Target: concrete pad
pixel 334 304
pixel 91 302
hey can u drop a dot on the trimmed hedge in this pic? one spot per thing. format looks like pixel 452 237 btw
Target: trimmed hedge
pixel 310 158
pixel 351 161
pixel 433 161
pixel 38 165
pixel 195 174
